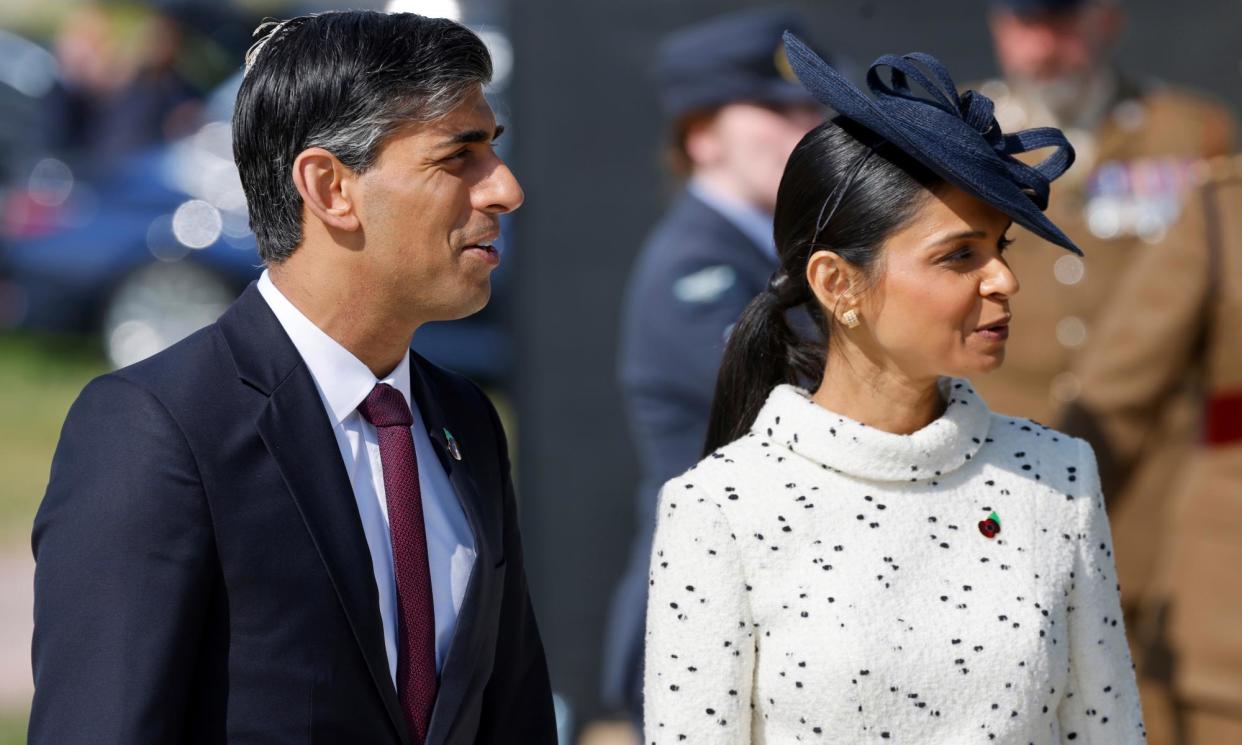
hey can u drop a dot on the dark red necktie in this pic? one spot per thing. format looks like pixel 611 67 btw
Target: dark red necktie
pixel 387 409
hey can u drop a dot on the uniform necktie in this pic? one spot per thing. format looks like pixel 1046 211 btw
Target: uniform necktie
pixel 387 410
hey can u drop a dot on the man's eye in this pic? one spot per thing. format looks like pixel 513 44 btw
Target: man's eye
pixel 460 154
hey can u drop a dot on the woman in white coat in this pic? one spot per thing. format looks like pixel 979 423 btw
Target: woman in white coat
pixel 867 554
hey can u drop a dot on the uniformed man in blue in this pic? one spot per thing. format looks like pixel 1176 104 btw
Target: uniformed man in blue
pixel 734 114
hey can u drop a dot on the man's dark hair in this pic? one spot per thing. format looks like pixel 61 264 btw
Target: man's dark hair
pixel 343 81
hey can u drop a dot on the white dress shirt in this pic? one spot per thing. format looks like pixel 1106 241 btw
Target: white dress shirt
pixel 343 382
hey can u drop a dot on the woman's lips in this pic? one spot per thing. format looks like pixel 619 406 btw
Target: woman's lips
pixel 995 332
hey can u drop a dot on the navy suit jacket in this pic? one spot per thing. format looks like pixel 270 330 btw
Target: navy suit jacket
pixel 695 275
pixel 202 575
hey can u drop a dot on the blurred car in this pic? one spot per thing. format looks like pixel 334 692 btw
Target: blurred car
pixel 144 254
pixel 28 73
pixel 159 245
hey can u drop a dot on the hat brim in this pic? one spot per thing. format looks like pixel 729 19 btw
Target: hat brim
pixel 933 142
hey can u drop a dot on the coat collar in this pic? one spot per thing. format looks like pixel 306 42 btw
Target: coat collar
pixel 792 420
pixel 343 380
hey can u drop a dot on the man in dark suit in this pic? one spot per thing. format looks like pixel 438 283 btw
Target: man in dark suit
pixel 735 113
pixel 289 528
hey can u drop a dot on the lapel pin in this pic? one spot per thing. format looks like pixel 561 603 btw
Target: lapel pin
pixel 991 526
pixel 453 449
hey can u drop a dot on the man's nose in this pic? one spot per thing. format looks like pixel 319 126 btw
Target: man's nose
pixel 500 192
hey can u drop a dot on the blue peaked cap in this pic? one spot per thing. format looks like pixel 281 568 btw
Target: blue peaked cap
pixel 729 58
pixel 955 136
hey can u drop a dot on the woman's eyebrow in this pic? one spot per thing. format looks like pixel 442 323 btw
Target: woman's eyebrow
pixel 961 235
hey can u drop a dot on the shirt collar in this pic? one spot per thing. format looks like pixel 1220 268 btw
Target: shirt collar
pixel 751 221
pixel 343 379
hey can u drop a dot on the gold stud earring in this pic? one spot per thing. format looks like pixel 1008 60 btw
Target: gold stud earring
pixel 850 318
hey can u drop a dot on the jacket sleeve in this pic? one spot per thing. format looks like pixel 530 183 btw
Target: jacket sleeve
pixel 700 633
pixel 123 548
pixel 517 702
pixel 1101 705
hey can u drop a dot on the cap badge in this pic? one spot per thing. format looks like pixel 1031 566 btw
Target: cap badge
pixel 782 64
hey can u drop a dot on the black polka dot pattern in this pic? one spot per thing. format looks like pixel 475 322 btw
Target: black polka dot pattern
pixel 822 581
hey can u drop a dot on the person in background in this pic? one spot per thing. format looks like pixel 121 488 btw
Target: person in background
pixel 734 113
pixel 1176 324
pixel 1139 144
pixel 121 89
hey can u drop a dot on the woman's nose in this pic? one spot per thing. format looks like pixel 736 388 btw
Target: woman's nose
pixel 1000 280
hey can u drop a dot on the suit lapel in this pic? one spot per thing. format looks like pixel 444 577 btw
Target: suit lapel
pixel 298 434
pixel 458 674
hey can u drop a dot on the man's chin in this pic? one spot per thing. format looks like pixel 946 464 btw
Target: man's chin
pixel 474 302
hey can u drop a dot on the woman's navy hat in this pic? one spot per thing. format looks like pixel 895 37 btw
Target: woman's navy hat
pixel 956 137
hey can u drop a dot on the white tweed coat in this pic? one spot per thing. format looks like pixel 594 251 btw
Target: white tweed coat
pixel 821 581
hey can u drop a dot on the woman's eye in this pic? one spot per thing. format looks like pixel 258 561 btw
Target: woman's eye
pixel 959 255
pixel 1003 243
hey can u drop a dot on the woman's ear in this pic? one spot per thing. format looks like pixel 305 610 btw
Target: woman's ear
pixel 833 280
pixel 327 188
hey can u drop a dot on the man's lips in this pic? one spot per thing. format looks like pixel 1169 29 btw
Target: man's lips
pixel 485 242
pixel 485 248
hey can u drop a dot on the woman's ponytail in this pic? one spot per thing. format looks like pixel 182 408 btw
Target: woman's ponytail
pixel 763 351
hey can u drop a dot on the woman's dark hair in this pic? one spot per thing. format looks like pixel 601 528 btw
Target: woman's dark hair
pixel 344 81
pixel 844 190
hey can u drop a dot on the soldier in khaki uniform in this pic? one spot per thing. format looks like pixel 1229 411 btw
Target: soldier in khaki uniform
pixel 1176 320
pixel 1139 146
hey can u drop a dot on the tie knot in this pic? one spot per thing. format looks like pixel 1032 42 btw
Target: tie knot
pixel 384 406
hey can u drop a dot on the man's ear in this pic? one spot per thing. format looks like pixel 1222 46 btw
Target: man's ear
pixel 831 279
pixel 327 187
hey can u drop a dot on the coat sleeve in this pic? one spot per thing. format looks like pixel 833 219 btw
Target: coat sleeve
pixel 1101 705
pixel 700 633
pixel 517 701
pixel 124 567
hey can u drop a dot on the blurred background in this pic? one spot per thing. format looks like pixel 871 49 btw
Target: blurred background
pixel 123 228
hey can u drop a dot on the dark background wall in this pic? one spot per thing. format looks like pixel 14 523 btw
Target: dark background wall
pixel 587 135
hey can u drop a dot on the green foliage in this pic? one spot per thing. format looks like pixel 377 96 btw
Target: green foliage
pixel 13 728
pixel 39 379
